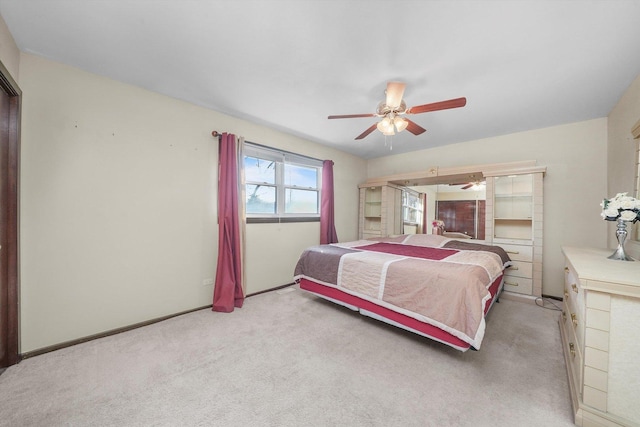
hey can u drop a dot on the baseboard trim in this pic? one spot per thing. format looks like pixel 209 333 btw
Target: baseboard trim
pixel 70 343
pixel 271 290
pixel 512 296
pixel 65 344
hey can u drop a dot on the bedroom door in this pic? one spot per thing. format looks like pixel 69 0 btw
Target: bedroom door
pixel 9 160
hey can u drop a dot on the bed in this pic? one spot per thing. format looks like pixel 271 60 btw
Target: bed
pixel 437 287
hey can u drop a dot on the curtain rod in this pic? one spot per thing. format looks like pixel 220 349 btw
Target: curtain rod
pixel 217 134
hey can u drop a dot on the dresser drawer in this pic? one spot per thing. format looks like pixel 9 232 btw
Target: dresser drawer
pixel 574 353
pixel 574 304
pixel 519 253
pixel 574 321
pixel 520 269
pixel 520 285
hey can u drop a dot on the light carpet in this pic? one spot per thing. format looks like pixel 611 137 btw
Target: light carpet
pixel 288 358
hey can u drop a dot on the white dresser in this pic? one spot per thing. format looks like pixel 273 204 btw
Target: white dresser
pixel 600 326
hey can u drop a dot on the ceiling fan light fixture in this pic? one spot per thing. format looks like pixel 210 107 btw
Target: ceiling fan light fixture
pixel 386 126
pixel 400 123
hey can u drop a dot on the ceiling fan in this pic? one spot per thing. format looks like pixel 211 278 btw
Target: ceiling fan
pixel 393 108
pixel 476 185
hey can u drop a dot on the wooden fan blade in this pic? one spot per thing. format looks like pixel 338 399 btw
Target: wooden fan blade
pixel 351 116
pixel 395 91
pixel 414 128
pixel 469 185
pixel 436 106
pixel 367 132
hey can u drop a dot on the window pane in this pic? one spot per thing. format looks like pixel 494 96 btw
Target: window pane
pixel 261 199
pixel 411 215
pixel 300 176
pixel 259 170
pixel 301 201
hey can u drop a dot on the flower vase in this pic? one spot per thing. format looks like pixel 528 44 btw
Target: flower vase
pixel 621 235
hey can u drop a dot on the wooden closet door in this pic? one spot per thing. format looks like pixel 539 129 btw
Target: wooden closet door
pixel 4 282
pixel 9 188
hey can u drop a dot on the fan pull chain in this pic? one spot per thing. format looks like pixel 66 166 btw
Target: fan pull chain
pixel 390 139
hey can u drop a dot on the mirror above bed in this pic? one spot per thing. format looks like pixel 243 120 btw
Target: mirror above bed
pixel 455 199
pixel 463 211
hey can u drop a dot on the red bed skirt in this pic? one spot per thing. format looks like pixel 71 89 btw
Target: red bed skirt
pixel 400 319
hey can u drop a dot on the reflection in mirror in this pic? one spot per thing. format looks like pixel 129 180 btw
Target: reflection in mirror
pixel 460 206
pixel 412 212
pixel 635 233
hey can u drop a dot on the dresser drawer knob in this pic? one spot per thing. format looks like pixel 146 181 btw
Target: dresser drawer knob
pixel 574 288
pixel 511 284
pixel 572 349
pixel 564 315
pixel 566 295
pixel 513 267
pixel 574 319
pixel 566 269
pixel 513 252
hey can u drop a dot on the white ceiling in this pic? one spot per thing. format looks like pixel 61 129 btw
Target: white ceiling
pixel 288 64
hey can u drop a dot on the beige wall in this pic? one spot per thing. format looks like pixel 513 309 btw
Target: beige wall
pixel 574 185
pixel 118 221
pixel 622 154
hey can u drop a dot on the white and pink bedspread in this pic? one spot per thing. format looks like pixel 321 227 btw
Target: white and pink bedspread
pixel 433 279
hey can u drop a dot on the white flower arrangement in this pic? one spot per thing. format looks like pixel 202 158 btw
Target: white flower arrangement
pixel 621 206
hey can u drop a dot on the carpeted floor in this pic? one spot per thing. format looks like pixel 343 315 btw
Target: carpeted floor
pixel 288 358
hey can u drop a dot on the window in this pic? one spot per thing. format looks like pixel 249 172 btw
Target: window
pixel 411 207
pixel 280 185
